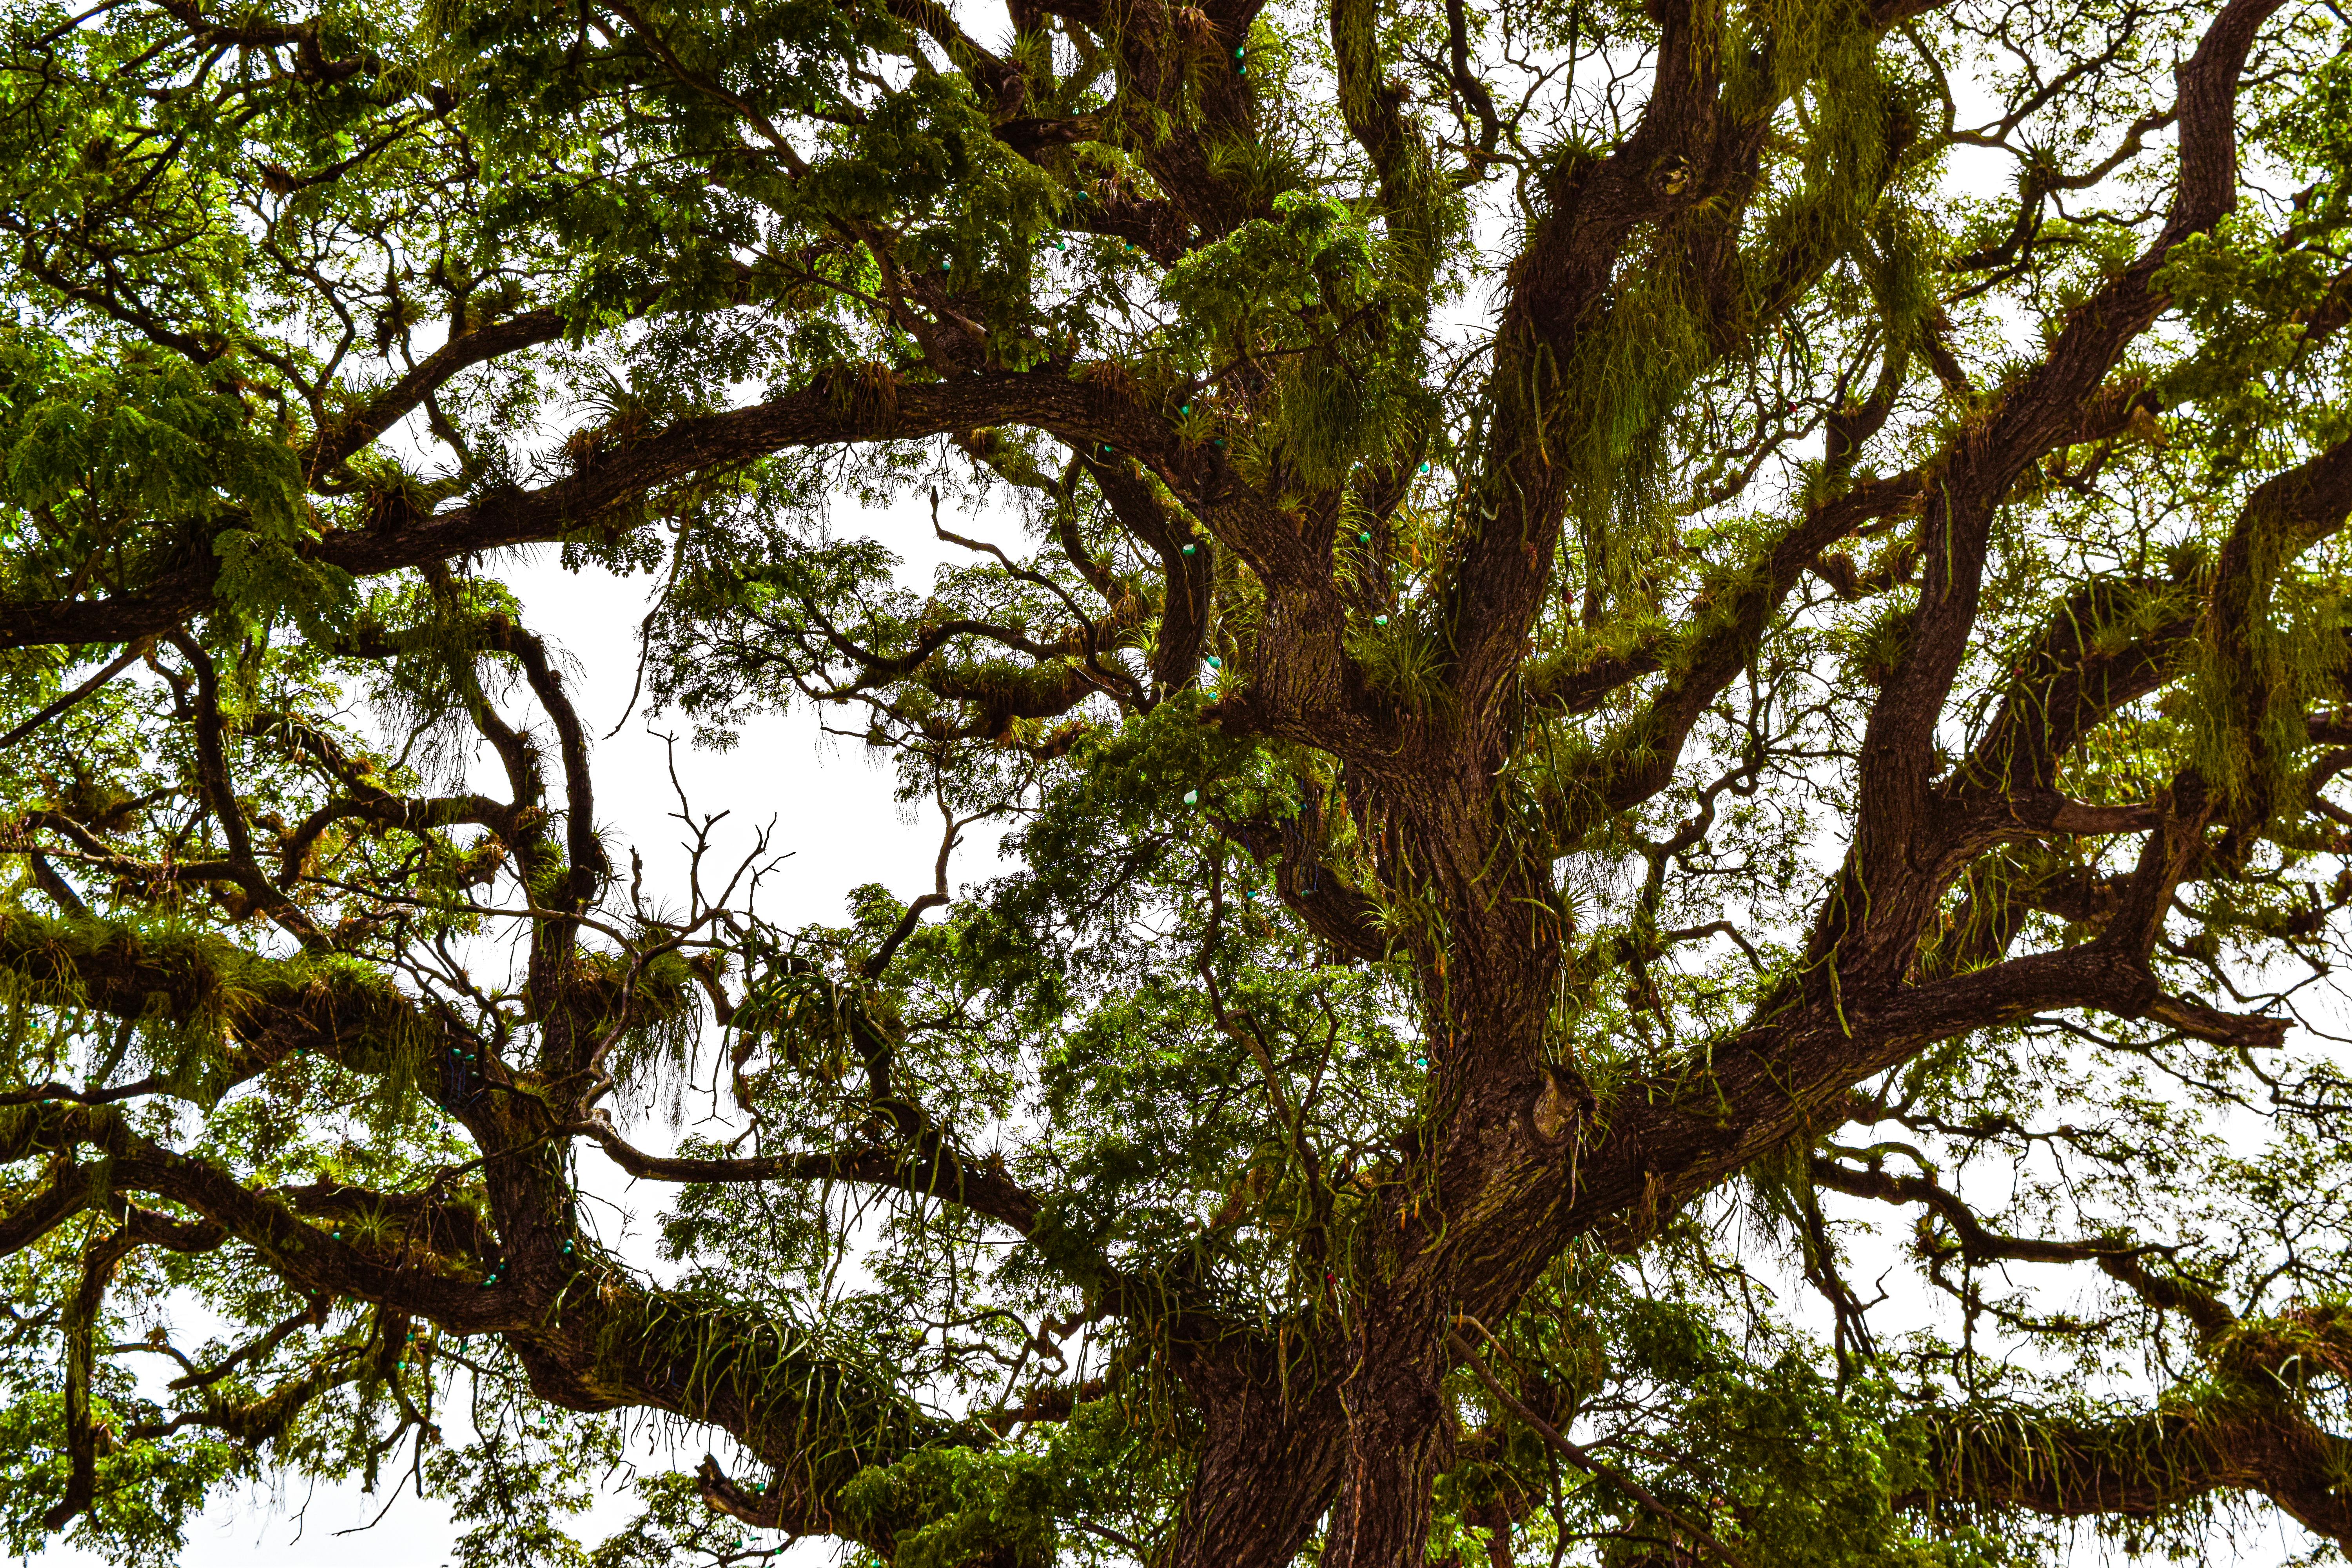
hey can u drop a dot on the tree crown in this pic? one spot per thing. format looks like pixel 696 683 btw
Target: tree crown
pixel 1611 660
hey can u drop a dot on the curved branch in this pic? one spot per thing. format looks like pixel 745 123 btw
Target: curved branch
pixel 934 1169
pixel 840 407
pixel 2137 1466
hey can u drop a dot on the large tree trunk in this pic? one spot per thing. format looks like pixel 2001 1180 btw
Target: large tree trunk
pixel 1465 1222
pixel 1396 1443
pixel 1270 1461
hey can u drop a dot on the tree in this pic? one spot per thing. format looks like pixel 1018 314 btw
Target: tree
pixel 1822 704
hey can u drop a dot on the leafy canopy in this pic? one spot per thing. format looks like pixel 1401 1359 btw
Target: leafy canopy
pixel 1667 704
